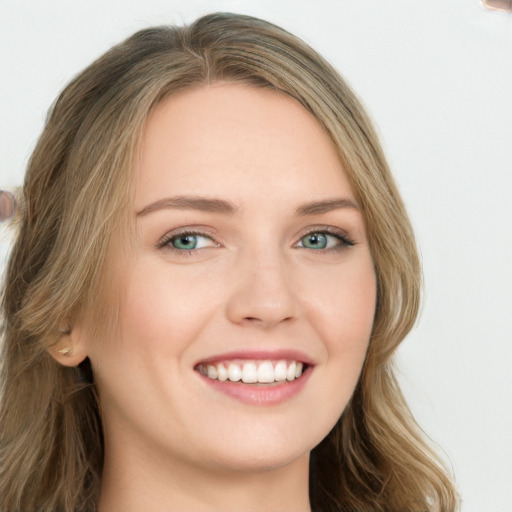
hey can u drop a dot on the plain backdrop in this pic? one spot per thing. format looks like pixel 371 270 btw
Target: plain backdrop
pixel 436 76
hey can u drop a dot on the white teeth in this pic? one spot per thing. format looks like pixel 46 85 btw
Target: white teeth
pixel 222 373
pixel 290 372
pixel 280 371
pixel 234 372
pixel 252 372
pixel 266 372
pixel 211 371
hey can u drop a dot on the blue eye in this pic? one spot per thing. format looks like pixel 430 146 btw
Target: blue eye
pixel 188 242
pixel 314 241
pixel 320 240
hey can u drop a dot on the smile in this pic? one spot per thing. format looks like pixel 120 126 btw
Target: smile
pixel 253 372
pixel 257 378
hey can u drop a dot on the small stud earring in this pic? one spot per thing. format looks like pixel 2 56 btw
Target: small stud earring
pixel 66 351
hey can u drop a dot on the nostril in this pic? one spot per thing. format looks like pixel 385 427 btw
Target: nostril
pixel 264 320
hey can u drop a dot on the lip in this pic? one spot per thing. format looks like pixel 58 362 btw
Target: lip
pixel 272 355
pixel 259 394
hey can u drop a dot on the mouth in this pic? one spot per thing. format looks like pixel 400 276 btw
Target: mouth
pixel 253 372
pixel 257 378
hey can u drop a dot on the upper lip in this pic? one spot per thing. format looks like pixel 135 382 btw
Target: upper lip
pixel 280 354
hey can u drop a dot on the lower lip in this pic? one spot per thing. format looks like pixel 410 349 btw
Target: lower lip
pixel 254 394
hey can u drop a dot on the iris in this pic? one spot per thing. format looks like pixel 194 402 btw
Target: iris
pixel 315 241
pixel 185 242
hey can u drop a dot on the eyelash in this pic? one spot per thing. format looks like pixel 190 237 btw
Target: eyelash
pixel 343 238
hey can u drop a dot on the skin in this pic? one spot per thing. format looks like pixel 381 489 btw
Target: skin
pixel 172 441
pixel 7 205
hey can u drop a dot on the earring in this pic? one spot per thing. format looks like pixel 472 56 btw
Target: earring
pixel 66 351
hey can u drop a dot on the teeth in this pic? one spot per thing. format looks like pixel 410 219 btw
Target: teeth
pixel 211 371
pixel 266 372
pixel 252 372
pixel 290 372
pixel 280 371
pixel 234 372
pixel 222 373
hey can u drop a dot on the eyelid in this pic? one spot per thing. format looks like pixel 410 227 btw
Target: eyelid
pixel 186 230
pixel 345 239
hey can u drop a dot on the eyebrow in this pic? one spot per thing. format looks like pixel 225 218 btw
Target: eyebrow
pixel 327 205
pixel 213 205
pixel 204 204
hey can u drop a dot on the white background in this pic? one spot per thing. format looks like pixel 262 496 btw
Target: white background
pixel 436 76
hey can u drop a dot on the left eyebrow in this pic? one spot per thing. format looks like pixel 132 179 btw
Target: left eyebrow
pixel 327 205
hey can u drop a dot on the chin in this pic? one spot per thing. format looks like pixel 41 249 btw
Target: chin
pixel 260 462
pixel 263 450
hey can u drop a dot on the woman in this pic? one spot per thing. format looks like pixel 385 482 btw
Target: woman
pixel 212 273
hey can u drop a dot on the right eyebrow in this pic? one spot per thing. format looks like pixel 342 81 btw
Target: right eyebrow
pixel 204 204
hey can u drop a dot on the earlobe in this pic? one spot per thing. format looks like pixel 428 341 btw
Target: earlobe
pixel 70 349
pixel 66 351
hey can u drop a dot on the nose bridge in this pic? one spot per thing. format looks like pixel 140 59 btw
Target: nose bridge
pixel 263 289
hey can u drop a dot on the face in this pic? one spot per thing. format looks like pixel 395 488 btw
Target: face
pixel 251 262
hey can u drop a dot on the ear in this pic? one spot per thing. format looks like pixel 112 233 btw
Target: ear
pixel 71 349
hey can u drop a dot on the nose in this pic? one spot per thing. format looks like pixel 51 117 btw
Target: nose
pixel 262 293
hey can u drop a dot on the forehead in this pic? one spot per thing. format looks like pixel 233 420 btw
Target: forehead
pixel 236 140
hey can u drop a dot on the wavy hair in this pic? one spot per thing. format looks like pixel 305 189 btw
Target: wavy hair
pixel 376 458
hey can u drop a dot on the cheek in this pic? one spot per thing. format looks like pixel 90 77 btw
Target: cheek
pixel 166 307
pixel 343 318
pixel 347 309
pixel 345 324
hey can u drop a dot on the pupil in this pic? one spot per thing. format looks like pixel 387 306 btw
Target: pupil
pixel 185 241
pixel 317 240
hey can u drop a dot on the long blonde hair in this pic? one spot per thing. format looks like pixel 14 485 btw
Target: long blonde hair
pixel 77 190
